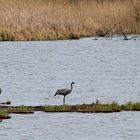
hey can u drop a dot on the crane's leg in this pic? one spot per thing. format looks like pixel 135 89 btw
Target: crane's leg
pixel 64 100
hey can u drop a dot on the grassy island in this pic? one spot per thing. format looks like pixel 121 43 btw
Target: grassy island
pixel 83 108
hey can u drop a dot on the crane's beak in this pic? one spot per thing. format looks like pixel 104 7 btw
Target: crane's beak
pixel 55 94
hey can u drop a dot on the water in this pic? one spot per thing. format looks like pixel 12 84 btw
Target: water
pixel 31 72
pixel 72 126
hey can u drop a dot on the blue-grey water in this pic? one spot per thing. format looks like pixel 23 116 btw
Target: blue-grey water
pixel 108 70
pixel 72 126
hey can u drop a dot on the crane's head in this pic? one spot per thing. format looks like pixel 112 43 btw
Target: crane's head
pixel 72 83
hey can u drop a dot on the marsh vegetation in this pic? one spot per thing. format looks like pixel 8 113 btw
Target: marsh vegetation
pixel 67 19
pixel 4 114
pixel 83 108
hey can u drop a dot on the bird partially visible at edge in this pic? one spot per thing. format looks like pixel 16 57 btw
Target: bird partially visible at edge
pixel 64 92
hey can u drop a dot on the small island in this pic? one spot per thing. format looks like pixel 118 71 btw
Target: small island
pixel 97 107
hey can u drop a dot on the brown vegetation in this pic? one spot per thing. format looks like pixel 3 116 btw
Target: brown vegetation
pixel 84 108
pixel 67 19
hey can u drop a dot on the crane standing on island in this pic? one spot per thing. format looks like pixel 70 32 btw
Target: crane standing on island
pixel 64 92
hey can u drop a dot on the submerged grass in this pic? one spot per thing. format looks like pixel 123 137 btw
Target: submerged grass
pixel 67 19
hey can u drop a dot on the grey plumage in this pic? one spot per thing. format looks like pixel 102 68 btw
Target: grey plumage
pixel 64 92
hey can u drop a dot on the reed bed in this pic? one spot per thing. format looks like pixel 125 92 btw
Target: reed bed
pixel 67 19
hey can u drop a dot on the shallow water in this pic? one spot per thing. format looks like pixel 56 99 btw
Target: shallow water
pixel 31 72
pixel 72 126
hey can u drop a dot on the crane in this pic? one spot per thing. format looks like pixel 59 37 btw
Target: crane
pixel 64 92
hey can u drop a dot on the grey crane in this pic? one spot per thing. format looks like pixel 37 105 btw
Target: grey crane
pixel 64 92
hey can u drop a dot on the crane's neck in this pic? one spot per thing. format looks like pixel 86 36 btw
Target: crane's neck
pixel 71 86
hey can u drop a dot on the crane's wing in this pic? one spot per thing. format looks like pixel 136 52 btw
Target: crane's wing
pixel 56 92
pixel 62 92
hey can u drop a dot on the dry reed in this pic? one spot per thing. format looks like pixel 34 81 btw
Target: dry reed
pixel 67 19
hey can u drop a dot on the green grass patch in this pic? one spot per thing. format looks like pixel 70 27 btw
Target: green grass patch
pixel 99 108
pixel 4 114
pixel 130 106
pixel 61 108
pixel 85 108
pixel 21 110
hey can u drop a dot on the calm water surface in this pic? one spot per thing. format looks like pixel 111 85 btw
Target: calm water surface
pixel 72 126
pixel 31 72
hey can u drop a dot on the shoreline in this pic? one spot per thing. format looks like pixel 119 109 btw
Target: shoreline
pixel 129 37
